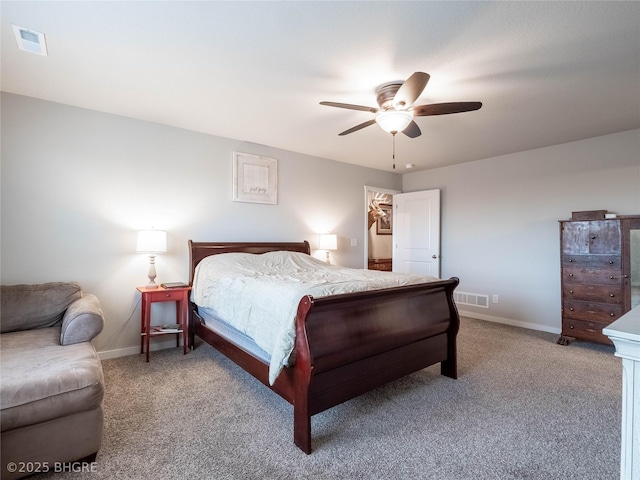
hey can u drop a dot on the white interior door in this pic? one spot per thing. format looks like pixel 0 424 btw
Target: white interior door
pixel 416 232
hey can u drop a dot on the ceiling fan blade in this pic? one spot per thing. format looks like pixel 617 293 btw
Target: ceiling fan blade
pixel 411 89
pixel 412 130
pixel 445 108
pixel 350 106
pixel 358 127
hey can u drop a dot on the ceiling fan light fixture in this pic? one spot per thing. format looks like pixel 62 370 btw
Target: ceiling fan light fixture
pixel 394 121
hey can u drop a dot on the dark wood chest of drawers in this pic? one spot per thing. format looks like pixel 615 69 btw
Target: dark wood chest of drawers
pixel 595 277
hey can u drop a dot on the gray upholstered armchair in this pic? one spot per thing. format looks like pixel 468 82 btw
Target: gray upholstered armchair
pixel 51 376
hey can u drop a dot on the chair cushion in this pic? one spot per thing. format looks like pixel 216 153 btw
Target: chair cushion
pixel 35 306
pixel 43 380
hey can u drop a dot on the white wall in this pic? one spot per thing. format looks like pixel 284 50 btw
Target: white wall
pixel 380 246
pixel 500 232
pixel 78 184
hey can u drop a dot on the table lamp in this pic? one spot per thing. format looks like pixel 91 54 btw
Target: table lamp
pixel 152 242
pixel 328 242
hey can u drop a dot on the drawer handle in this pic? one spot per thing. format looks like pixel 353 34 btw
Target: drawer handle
pixel 610 262
pixel 571 327
pixel 593 237
pixel 571 309
pixel 167 295
pixel 612 277
pixel 612 314
pixel 571 260
pixel 611 295
pixel 571 274
pixel 570 291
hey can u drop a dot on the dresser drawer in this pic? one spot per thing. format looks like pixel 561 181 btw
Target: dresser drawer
pixel 598 276
pixel 585 330
pixel 593 293
pixel 593 312
pixel 593 261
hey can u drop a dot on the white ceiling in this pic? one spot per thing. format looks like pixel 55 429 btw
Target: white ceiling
pixel 546 72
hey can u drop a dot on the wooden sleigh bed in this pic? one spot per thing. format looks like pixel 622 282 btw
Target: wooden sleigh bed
pixel 347 344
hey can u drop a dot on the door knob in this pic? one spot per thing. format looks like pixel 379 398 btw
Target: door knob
pixel 434 256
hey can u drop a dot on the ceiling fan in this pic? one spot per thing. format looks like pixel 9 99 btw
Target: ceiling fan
pixel 396 113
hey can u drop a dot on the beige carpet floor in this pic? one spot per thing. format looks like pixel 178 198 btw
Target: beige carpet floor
pixel 523 407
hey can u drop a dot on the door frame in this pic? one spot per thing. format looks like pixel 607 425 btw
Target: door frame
pixel 367 191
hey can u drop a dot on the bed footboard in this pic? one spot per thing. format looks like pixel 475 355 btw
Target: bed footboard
pixel 347 345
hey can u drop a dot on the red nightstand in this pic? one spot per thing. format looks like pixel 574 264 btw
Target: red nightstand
pixel 159 294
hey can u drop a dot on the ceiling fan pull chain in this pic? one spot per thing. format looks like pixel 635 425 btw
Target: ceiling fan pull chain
pixel 394 150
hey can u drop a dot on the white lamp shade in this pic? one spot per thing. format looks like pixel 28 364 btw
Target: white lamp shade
pixel 328 241
pixel 152 241
pixel 394 121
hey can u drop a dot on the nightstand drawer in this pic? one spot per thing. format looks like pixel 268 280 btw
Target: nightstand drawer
pixel 166 295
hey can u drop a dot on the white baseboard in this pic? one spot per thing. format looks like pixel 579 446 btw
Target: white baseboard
pixel 123 352
pixel 509 321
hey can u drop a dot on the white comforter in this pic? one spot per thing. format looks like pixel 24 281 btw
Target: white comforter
pixel 259 294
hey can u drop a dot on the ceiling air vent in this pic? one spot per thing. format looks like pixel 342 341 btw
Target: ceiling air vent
pixel 30 41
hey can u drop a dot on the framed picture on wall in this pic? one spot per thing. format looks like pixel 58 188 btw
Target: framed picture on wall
pixel 255 179
pixel 384 224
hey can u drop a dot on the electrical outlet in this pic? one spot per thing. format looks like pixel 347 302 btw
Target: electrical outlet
pixel 495 298
pixel 354 242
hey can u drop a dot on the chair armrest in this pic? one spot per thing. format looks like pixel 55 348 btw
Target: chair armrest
pixel 82 321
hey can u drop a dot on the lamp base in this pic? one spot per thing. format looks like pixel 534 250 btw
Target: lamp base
pixel 152 272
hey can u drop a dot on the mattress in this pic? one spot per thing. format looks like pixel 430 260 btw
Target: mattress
pixel 233 335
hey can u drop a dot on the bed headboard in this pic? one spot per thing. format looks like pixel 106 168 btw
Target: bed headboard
pixel 200 250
